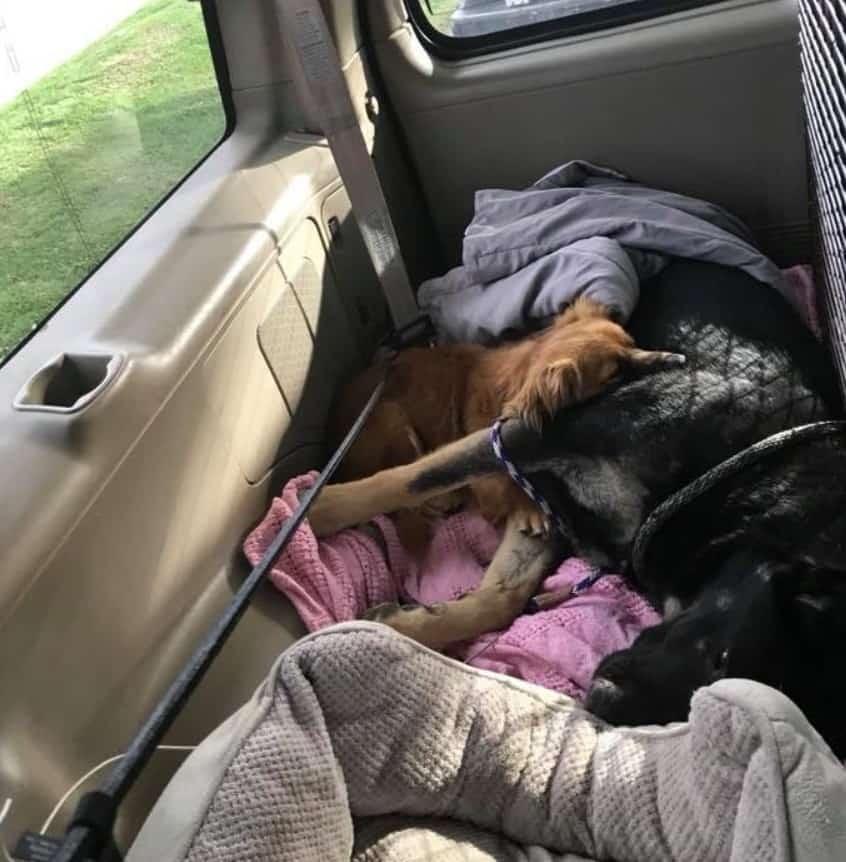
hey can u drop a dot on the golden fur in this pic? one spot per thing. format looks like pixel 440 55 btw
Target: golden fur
pixel 437 395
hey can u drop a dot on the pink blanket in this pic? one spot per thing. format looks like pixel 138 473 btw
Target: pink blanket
pixel 338 578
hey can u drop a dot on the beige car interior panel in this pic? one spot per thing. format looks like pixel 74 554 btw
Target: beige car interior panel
pixel 239 305
pixel 249 405
pixel 122 522
pixel 705 102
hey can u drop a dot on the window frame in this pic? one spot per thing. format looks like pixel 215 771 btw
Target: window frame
pixel 224 86
pixel 446 47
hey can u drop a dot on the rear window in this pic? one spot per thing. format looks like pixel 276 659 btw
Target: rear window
pixel 105 105
pixel 480 17
pixel 475 26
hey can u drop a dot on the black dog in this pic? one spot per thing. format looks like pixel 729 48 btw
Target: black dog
pixel 754 575
pixel 752 370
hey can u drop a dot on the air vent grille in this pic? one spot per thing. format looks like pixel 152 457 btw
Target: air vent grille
pixel 823 43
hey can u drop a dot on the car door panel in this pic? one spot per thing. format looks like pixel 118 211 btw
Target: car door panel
pixel 124 539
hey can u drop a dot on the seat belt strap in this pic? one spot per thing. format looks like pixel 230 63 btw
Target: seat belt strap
pixel 331 107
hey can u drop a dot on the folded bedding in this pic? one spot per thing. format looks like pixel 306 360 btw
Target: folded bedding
pixel 580 230
pixel 364 745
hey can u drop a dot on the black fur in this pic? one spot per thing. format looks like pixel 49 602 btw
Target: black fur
pixel 752 369
pixel 782 623
pixel 757 569
pixel 757 564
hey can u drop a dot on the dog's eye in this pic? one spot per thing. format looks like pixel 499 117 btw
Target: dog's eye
pixel 721 662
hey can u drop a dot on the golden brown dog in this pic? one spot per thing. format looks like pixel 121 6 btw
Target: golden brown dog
pixel 437 395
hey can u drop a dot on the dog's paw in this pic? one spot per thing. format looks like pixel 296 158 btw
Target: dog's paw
pixel 654 360
pixel 530 521
pixel 331 511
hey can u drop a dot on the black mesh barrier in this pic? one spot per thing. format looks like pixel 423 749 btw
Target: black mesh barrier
pixel 823 42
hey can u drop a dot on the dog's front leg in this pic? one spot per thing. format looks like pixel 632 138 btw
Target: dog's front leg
pixel 513 577
pixel 453 466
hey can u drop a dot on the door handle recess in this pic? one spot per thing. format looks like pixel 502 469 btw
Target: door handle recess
pixel 69 383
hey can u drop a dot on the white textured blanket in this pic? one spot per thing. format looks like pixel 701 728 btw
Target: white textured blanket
pixel 362 744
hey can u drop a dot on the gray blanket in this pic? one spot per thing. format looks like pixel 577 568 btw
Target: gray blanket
pixel 363 744
pixel 579 230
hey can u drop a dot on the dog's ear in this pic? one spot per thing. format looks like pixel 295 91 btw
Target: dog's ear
pixel 651 360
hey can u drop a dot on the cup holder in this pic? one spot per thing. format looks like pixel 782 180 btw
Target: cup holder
pixel 69 383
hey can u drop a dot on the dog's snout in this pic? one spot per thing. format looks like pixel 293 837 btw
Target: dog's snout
pixel 603 697
pixel 610 693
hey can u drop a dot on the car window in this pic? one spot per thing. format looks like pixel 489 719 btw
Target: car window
pixel 105 105
pixel 482 21
pixel 480 17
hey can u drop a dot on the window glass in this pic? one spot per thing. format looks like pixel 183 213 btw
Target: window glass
pixel 105 105
pixel 481 17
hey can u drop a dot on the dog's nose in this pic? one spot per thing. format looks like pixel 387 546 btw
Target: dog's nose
pixel 603 698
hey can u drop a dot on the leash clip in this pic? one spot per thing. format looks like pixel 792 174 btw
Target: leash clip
pixel 411 333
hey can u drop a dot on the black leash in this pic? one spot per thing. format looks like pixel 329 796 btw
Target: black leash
pixel 90 833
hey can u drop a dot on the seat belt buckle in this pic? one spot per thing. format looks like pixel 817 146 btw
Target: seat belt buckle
pixel 410 335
